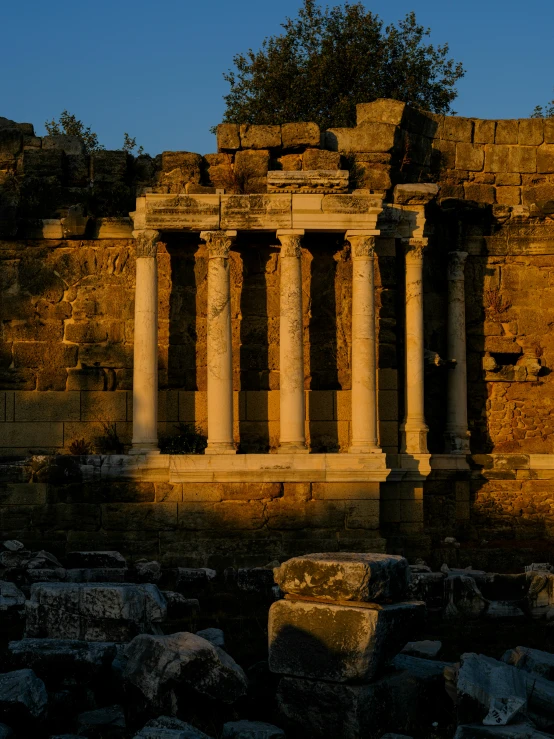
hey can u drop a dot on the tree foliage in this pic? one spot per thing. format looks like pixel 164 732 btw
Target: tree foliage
pixel 544 112
pixel 70 125
pixel 329 59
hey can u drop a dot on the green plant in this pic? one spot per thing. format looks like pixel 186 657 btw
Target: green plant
pixel 130 143
pixel 109 442
pixel 188 440
pixel 69 124
pixel 79 447
pixel 329 59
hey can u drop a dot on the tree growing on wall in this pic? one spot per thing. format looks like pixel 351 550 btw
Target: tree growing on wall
pixel 546 111
pixel 71 126
pixel 329 59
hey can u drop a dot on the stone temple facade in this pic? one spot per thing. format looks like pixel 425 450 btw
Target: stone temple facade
pixel 359 320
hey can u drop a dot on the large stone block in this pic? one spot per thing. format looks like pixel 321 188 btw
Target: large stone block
pixel 29 354
pixel 55 659
pixel 47 406
pixel 228 137
pixel 496 158
pixel 295 135
pixel 64 142
pixel 345 576
pixel 321 159
pixel 341 643
pixel 11 141
pixel 367 137
pixel 469 156
pixel 483 132
pixel 254 136
pixel 93 612
pixel 23 696
pixel 531 132
pixel 507 132
pixel 43 436
pixel 109 166
pixel 522 159
pixel 545 159
pixel 457 129
pixel 39 163
pixel 382 110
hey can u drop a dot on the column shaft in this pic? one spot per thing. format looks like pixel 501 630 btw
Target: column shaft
pixel 291 350
pixel 219 339
pixel 145 350
pixel 414 429
pixel 364 344
pixel 456 431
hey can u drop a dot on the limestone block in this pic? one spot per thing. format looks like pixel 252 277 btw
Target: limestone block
pixel 113 228
pixel 496 158
pixel 188 162
pixel 443 155
pixel 345 576
pixel 174 212
pixel 228 136
pixel 253 136
pixel 11 141
pixel 314 514
pixel 484 131
pixel 522 159
pixel 300 134
pixel 291 162
pixel 28 493
pixel 137 516
pixel 251 164
pixel 382 110
pixel 68 144
pixel 457 129
pixel 78 170
pixel 345 491
pixel 321 159
pixel 93 612
pixel 307 181
pixel 509 178
pixel 335 212
pixel 88 378
pixel 538 193
pixel 366 137
pixel 508 195
pixel 110 720
pixel 109 166
pixel 507 132
pixel 256 211
pixel 112 356
pixel 545 158
pixel 470 157
pixel 104 406
pixel 11 598
pixel 41 163
pixel 388 405
pixel 27 435
pixel 30 354
pixel 337 642
pixel 531 132
pixel 415 194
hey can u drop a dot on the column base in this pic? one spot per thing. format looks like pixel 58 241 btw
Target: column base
pixel 292 447
pixel 144 448
pixel 456 442
pixel 221 447
pixel 413 440
pixel 364 449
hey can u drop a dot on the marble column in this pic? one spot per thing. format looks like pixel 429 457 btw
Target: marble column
pixel 364 344
pixel 291 349
pixel 456 432
pixel 145 350
pixel 414 429
pixel 219 340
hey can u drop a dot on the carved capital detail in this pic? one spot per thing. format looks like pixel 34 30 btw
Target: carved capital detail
pixel 291 245
pixel 414 249
pixel 456 262
pixel 362 246
pixel 146 242
pixel 219 243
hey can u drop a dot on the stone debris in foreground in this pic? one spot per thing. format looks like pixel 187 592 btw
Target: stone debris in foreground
pixel 330 641
pixel 23 696
pixel 531 660
pixel 514 731
pixel 92 560
pixel 103 722
pixel 93 612
pixel 251 730
pixel 11 597
pixel 426 649
pixel 168 727
pixel 345 576
pixel 62 658
pixel 156 664
pixel 214 636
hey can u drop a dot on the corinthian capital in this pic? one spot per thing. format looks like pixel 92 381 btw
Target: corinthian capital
pixel 219 243
pixel 291 243
pixel 456 262
pixel 414 249
pixel 363 244
pixel 146 242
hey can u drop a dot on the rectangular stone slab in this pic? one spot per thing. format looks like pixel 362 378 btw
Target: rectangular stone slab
pixel 334 642
pixel 346 576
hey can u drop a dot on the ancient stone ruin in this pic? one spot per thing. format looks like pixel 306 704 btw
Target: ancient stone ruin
pixel 212 367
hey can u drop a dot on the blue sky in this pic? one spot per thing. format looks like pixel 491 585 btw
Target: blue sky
pixel 154 69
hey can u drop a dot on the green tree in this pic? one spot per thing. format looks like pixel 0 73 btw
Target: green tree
pixel 71 126
pixel 329 59
pixel 544 112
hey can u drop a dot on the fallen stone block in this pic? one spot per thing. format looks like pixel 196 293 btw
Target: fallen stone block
pixel 428 586
pixel 43 561
pixel 93 612
pixel 148 571
pixel 531 660
pixel 12 545
pixel 23 696
pixel 46 575
pixel 88 560
pixel 214 636
pixel 168 727
pixel 424 669
pixel 251 730
pixel 11 597
pixel 159 666
pixel 344 576
pixel 191 580
pixel 257 580
pixel 14 558
pixel 179 607
pixel 103 723
pixel 427 649
pixel 338 642
pixel 96 574
pixel 57 659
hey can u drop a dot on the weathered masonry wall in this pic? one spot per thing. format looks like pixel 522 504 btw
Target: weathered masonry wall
pixel 67 280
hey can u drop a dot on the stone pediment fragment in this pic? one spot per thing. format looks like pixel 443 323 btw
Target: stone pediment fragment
pixel 316 181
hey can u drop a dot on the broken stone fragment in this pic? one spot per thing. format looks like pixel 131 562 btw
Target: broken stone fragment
pixel 168 727
pixel 13 545
pixel 95 559
pixel 93 611
pixel 156 664
pixel 103 722
pixel 148 571
pixel 531 660
pixel 344 576
pixel 57 659
pixel 23 696
pixel 427 649
pixel 251 730
pixel 11 597
pixel 338 642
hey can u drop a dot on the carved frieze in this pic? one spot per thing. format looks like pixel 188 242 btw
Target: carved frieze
pixel 309 181
pixel 262 212
pixel 182 212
